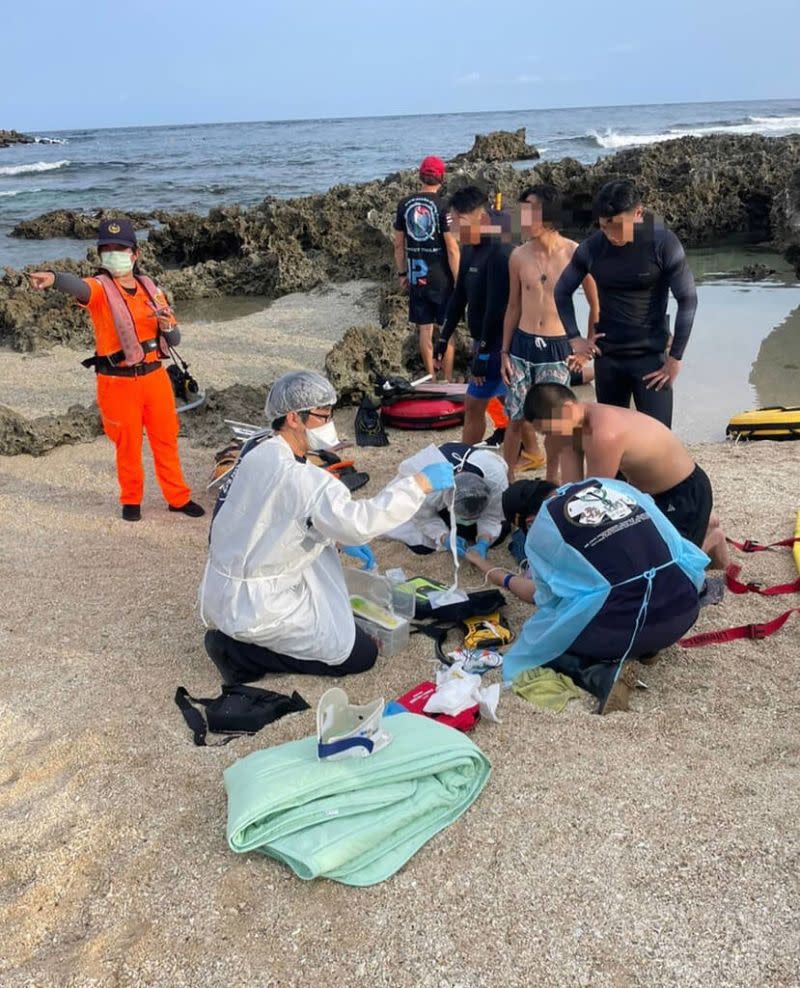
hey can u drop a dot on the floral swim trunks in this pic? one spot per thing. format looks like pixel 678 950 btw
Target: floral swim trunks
pixel 535 360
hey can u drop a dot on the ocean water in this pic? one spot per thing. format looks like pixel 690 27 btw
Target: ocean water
pixel 201 166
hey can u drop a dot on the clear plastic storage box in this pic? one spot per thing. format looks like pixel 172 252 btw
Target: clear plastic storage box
pixel 381 609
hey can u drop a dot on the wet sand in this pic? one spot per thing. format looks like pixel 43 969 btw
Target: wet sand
pixel 651 848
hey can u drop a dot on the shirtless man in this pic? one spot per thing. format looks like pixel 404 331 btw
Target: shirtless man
pixel 535 345
pixel 615 440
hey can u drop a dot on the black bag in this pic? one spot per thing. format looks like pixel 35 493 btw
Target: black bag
pixel 480 602
pixel 368 427
pixel 240 710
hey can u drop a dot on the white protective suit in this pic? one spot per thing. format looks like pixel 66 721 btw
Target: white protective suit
pixel 427 529
pixel 273 575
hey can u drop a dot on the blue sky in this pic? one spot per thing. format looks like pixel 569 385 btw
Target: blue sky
pixel 93 64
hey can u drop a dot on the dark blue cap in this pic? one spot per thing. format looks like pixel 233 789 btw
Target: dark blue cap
pixel 115 231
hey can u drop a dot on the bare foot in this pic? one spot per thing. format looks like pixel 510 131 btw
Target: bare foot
pixel 715 545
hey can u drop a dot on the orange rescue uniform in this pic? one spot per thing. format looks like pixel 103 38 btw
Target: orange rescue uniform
pixel 130 404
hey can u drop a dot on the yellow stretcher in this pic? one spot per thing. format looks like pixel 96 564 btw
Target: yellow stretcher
pixel 776 423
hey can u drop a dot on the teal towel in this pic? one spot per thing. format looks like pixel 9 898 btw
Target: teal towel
pixel 359 820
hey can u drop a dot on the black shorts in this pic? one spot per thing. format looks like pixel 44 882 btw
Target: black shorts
pixel 688 505
pixel 426 307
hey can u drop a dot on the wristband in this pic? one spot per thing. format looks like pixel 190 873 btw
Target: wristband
pixel 507 579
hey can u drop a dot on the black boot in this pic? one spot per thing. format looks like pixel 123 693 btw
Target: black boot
pixel 191 508
pixel 131 512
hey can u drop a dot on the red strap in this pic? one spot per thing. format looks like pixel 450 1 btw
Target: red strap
pixel 748 546
pixel 754 631
pixel 736 586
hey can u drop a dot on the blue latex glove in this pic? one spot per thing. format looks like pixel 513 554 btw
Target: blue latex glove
pixel 461 546
pixel 440 476
pixel 480 548
pixel 361 552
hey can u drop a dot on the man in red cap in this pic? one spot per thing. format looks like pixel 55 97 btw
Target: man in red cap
pixel 426 259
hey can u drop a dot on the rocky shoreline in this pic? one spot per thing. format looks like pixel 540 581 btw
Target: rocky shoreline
pixel 713 190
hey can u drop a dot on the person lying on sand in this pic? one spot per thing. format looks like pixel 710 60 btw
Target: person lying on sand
pixel 613 581
pixel 480 480
pixel 606 441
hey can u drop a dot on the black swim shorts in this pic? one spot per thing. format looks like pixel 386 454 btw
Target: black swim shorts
pixel 688 505
pixel 425 307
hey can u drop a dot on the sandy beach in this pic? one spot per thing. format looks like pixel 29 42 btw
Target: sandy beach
pixel 654 847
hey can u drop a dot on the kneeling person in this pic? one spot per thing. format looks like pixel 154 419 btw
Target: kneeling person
pixel 611 577
pixel 274 595
pixel 480 480
pixel 614 440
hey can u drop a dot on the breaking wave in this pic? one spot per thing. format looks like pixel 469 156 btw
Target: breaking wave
pixel 613 140
pixel 38 166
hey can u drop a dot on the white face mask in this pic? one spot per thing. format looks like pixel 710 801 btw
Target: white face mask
pixel 117 262
pixel 323 437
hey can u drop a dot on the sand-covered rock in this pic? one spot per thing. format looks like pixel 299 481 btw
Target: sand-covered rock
pixel 36 436
pixel 500 145
pixel 30 320
pixel 368 354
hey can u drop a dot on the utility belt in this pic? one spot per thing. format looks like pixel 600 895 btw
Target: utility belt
pixel 109 364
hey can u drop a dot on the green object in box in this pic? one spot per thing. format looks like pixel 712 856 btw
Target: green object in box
pixel 370 611
pixel 421 587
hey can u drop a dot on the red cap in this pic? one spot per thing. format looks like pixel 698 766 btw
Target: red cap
pixel 432 166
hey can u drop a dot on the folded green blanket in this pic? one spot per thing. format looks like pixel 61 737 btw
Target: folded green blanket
pixel 359 820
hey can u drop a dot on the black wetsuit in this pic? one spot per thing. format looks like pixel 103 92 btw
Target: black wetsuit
pixel 633 283
pixel 482 289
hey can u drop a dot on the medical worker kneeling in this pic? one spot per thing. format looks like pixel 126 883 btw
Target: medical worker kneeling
pixel 273 594
pixel 611 577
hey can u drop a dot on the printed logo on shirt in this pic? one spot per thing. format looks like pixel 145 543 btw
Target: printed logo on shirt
pixel 418 272
pixel 598 505
pixel 420 221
